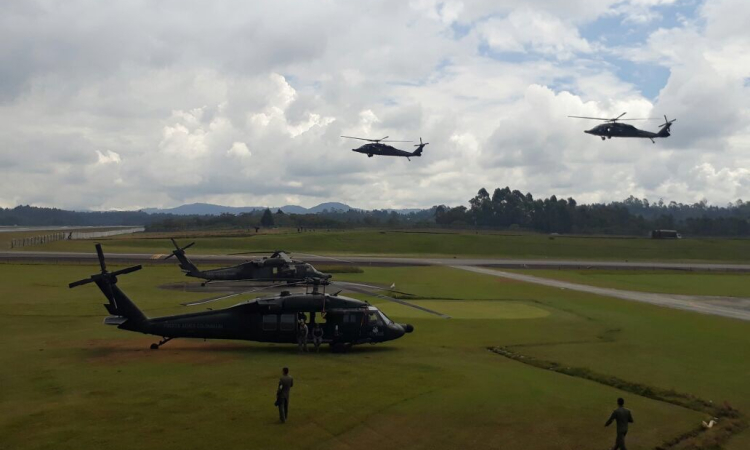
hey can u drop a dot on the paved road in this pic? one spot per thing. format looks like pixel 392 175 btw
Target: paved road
pixel 136 258
pixel 735 308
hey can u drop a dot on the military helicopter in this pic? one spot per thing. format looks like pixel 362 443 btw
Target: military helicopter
pixel 278 268
pixel 348 321
pixel 615 129
pixel 375 147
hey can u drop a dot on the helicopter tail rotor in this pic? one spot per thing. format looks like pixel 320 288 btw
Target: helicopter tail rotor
pixel 185 264
pixel 665 127
pixel 420 146
pixel 119 303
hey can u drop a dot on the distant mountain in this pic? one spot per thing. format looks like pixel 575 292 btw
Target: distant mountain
pixel 203 209
pixel 215 210
pixel 330 206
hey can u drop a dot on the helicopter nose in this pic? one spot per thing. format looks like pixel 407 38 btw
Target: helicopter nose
pixel 408 328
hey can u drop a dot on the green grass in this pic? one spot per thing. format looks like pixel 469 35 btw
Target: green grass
pixel 69 382
pixel 436 244
pixel 666 282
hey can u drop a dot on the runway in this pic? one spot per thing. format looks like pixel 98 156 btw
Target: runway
pixel 735 308
pixel 383 261
pixel 732 307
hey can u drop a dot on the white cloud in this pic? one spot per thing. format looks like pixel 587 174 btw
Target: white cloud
pixel 536 31
pixel 171 100
pixel 109 157
pixel 239 150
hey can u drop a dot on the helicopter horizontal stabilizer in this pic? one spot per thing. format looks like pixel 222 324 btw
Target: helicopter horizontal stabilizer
pixel 115 320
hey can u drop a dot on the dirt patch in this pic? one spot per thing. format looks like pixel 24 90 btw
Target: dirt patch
pixel 124 351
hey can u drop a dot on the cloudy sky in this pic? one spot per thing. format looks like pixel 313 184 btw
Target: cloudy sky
pixel 131 104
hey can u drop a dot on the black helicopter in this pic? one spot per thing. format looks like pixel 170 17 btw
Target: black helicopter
pixel 347 321
pixel 613 128
pixel 278 268
pixel 375 147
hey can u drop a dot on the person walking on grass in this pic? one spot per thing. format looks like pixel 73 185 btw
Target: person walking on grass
pixel 282 394
pixel 623 417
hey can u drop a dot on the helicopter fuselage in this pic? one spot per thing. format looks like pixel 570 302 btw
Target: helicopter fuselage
pixel 345 321
pixel 383 150
pixel 263 270
pixel 622 130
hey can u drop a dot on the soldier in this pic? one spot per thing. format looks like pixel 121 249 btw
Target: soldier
pixel 302 336
pixel 282 394
pixel 623 417
pixel 317 334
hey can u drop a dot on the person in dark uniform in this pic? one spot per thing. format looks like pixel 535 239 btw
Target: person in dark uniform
pixel 623 417
pixel 302 332
pixel 282 394
pixel 317 334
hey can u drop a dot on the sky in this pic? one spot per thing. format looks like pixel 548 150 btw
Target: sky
pixel 136 104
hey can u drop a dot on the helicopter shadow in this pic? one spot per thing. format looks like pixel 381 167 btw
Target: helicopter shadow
pixel 133 351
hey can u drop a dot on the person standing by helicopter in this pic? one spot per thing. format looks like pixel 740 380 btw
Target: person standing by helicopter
pixel 317 334
pixel 302 331
pixel 282 394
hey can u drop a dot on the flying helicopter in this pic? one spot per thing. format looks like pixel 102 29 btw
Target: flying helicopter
pixel 613 128
pixel 348 321
pixel 277 268
pixel 376 147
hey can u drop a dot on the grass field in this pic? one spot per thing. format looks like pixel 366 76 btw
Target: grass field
pixel 70 382
pixel 434 244
pixel 666 282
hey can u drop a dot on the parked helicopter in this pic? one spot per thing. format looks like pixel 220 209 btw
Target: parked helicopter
pixel 270 319
pixel 375 147
pixel 278 268
pixel 615 129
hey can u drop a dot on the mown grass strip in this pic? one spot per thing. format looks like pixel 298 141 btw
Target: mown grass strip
pixel 730 420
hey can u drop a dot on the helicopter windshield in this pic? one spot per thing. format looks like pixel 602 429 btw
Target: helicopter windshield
pixel 376 316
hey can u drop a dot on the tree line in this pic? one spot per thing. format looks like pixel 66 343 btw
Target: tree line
pixel 512 209
pixel 505 209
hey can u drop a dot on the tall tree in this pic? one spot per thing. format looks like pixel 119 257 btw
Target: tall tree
pixel 267 219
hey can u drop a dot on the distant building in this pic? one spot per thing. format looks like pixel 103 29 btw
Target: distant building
pixel 665 234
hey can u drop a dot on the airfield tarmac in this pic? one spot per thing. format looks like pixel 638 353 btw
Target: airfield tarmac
pixel 381 261
pixel 735 308
pixel 732 307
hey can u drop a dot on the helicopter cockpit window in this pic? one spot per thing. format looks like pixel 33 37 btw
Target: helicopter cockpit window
pixel 385 318
pixel 374 318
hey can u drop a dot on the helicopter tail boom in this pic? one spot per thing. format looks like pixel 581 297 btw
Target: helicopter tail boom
pixel 665 128
pixel 185 264
pixel 420 146
pixel 119 305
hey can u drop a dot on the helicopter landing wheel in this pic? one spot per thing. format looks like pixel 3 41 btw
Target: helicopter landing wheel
pixel 160 343
pixel 369 156
pixel 609 137
pixel 603 138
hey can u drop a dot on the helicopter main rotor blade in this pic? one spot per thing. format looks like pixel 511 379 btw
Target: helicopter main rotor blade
pixel 356 288
pixel 395 141
pixel 592 118
pixel 371 287
pixel 618 116
pixel 324 257
pixel 223 297
pixel 361 139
